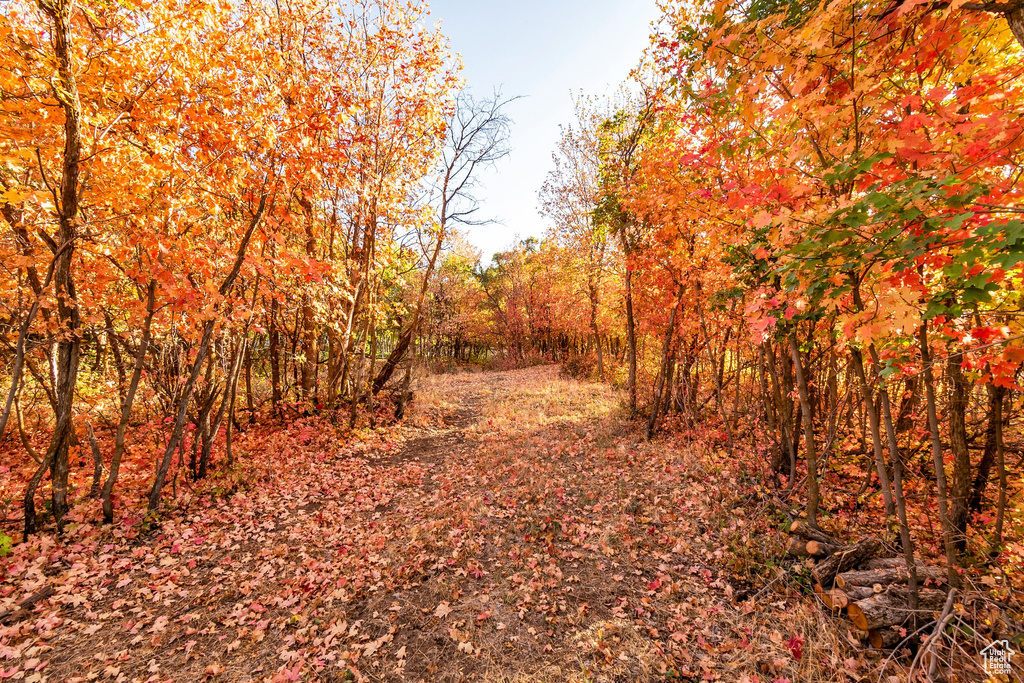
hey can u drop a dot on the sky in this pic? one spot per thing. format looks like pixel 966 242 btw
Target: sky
pixel 545 52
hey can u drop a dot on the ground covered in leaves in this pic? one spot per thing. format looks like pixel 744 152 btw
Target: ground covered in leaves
pixel 515 528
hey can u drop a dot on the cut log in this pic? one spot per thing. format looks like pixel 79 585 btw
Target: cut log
pixel 890 608
pixel 819 549
pixel 24 608
pixel 886 563
pixel 869 577
pixel 834 599
pixel 884 638
pixel 837 598
pixel 804 530
pixel 797 547
pixel 855 593
pixel 845 559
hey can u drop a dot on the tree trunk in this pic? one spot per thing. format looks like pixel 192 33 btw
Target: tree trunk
pixel 405 395
pixel 275 356
pixel 809 446
pixel 38 288
pixel 97 463
pixel 122 380
pixel 718 381
pixel 937 460
pixel 246 354
pixel 993 430
pixel 592 293
pixel 26 443
pixel 997 536
pixel 126 406
pixel 960 485
pixel 666 352
pixel 250 402
pixel 197 364
pixel 68 316
pixel 1015 19
pixel 631 341
pixel 783 407
pixel 373 366
pixel 309 349
pixel 396 356
pixel 310 352
pixel 876 431
pixel 230 386
pixel 897 480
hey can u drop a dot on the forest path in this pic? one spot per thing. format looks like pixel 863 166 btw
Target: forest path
pixel 515 528
pixel 563 547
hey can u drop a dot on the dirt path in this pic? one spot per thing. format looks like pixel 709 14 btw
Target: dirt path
pixel 570 549
pixel 515 529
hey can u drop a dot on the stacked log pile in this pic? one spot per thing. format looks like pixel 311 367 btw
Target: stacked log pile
pixel 872 591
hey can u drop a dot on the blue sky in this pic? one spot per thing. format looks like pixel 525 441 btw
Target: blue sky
pixel 545 52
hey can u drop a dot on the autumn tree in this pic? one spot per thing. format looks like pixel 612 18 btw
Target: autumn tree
pixel 477 137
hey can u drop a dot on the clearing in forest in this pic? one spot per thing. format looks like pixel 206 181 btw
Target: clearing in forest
pixel 515 528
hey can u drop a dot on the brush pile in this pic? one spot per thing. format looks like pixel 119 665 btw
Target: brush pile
pixel 872 591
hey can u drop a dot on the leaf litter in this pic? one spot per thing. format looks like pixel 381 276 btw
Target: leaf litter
pixel 515 528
